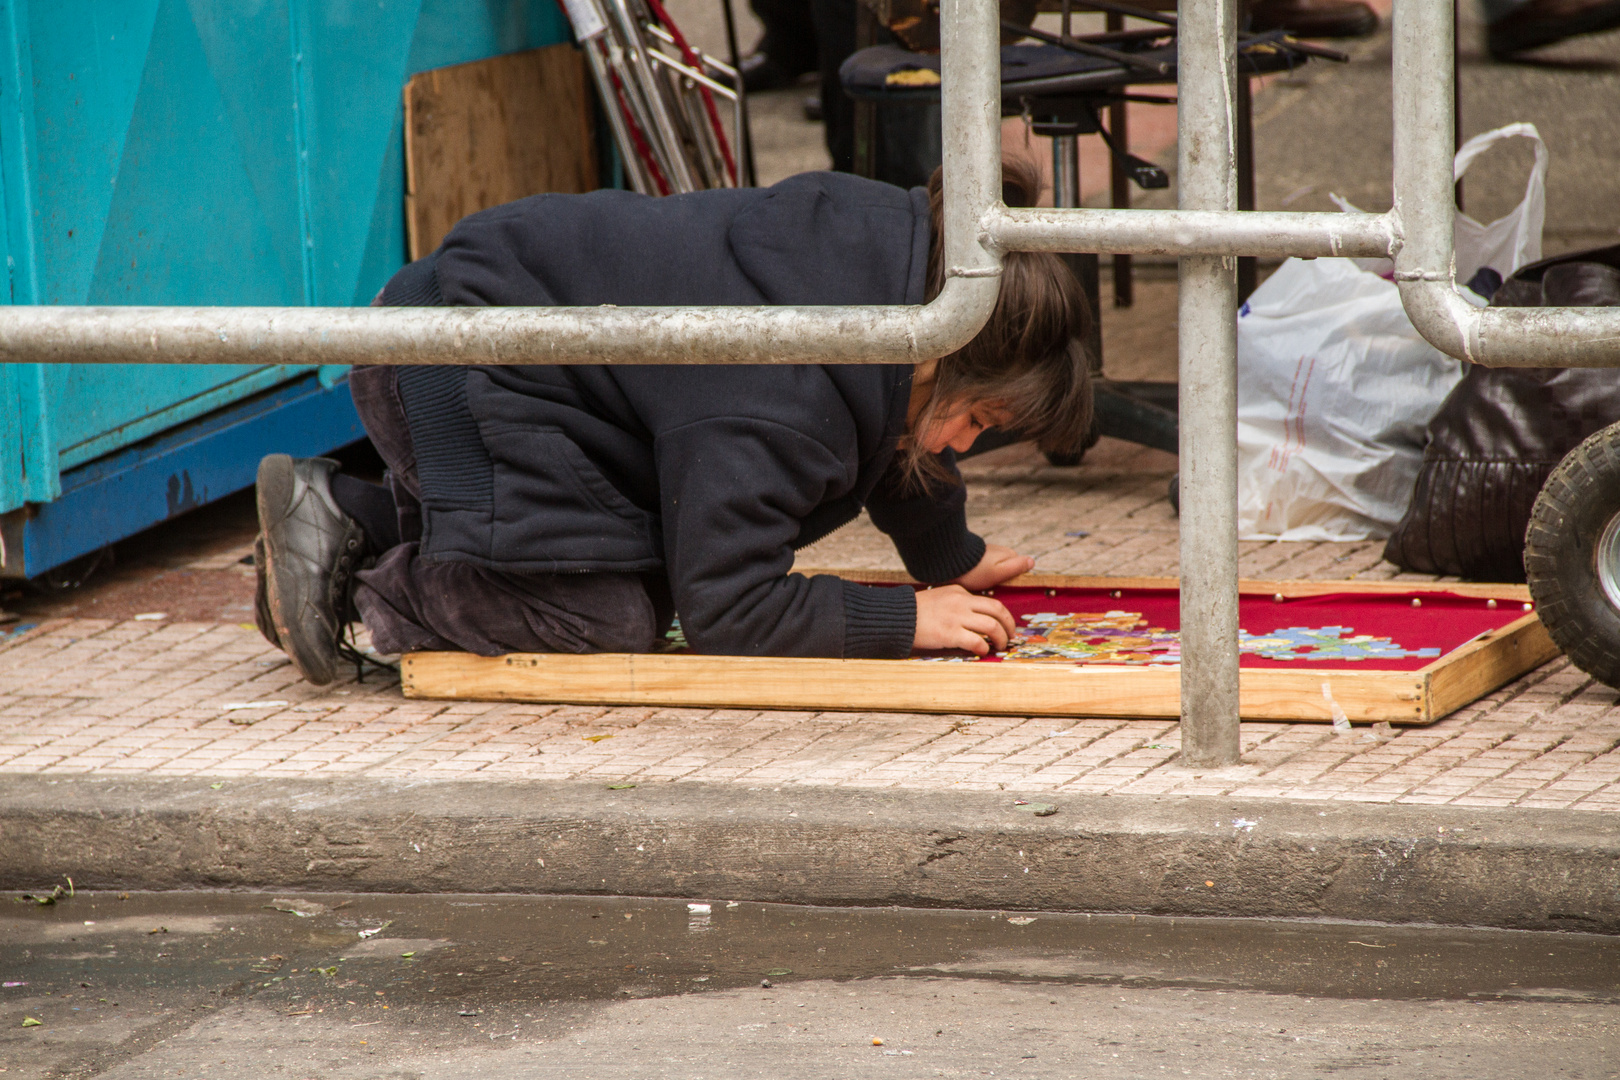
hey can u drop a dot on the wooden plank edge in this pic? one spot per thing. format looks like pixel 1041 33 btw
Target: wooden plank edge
pixel 1486 664
pixel 1015 689
pixel 413 241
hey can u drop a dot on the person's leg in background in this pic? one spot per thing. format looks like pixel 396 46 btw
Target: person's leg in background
pixel 835 39
pixel 787 48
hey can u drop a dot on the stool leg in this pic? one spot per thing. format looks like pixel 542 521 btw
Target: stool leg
pixel 1119 179
pixel 865 163
pixel 1456 101
pixel 1066 192
pixel 1247 268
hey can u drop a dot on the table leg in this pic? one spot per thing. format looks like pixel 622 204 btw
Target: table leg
pixel 1066 192
pixel 865 164
pixel 1248 267
pixel 1119 179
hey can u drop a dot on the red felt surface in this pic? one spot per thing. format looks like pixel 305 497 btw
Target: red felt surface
pixel 1444 621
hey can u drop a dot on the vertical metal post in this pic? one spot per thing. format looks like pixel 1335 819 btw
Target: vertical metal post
pixel 970 70
pixel 1207 92
pixel 1423 40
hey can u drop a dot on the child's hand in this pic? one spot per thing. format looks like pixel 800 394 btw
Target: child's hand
pixel 999 564
pixel 950 617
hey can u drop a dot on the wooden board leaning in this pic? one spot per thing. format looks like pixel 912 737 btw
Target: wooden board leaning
pixel 1366 693
pixel 490 131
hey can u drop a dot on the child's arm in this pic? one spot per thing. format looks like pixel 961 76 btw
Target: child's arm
pixel 929 529
pixel 734 491
pixel 929 526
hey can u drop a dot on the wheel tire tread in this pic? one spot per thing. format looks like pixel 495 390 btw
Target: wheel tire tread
pixel 1579 498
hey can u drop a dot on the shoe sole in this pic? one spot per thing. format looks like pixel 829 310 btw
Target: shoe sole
pixel 275 488
pixel 261 596
pixel 1508 43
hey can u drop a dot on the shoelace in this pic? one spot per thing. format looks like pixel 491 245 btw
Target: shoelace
pixel 343 584
pixel 349 649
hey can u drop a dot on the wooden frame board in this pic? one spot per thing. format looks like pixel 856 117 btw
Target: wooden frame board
pixel 1402 697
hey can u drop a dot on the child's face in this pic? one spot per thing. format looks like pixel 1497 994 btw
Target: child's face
pixel 957 426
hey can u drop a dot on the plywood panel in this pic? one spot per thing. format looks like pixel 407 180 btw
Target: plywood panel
pixel 491 131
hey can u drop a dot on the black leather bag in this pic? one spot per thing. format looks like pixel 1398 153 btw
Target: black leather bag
pixel 1501 431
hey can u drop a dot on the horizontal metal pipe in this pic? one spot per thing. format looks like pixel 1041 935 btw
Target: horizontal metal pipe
pixel 876 334
pixel 1511 337
pixel 1425 266
pixel 1191 232
pixel 597 335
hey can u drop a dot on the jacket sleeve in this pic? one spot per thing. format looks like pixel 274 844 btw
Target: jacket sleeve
pixel 928 526
pixel 733 492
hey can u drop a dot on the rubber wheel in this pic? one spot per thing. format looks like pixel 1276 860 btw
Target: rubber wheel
pixel 1572 555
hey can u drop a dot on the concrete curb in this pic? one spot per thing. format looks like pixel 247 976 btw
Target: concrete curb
pixel 1524 869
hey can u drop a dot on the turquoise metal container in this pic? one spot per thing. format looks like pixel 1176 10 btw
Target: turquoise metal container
pixel 199 152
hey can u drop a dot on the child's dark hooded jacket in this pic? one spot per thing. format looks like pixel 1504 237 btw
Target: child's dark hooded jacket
pixel 714 474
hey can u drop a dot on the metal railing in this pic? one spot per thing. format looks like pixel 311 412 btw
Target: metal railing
pixel 1206 232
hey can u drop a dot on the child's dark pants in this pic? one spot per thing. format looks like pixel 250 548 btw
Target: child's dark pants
pixel 412 604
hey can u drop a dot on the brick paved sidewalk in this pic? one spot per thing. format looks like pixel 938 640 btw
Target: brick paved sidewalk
pixel 161 698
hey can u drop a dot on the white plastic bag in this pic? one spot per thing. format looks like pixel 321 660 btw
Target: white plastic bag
pixel 1334 391
pixel 1509 242
pixel 1513 240
pixel 1335 386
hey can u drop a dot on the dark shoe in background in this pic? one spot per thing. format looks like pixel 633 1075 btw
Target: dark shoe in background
pixel 760 71
pixel 812 108
pixel 1313 18
pixel 309 550
pixel 1546 22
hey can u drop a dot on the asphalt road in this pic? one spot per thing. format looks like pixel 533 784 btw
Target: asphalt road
pixel 325 986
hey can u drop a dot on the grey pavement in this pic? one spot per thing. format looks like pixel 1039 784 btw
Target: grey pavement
pixel 356 987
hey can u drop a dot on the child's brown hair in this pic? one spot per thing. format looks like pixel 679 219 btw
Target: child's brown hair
pixel 1029 358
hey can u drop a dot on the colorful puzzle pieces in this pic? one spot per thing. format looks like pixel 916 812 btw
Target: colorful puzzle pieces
pixel 1325 643
pixel 1108 637
pixel 1124 637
